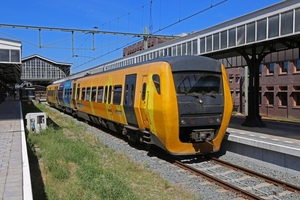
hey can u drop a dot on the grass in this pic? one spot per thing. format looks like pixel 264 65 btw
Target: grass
pixel 70 163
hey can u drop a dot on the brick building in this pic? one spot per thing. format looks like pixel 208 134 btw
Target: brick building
pixel 279 92
pixel 139 46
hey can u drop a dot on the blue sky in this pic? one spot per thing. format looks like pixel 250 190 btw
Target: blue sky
pixel 114 15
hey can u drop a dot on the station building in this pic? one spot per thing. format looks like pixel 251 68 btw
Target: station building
pixel 10 65
pixel 39 70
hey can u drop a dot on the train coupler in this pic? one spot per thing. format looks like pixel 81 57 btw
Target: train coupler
pixel 146 138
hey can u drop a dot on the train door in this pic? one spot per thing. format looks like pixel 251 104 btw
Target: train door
pixel 144 102
pixel 73 95
pixel 129 95
pixel 56 95
pixel 108 101
pixel 67 95
pixel 60 94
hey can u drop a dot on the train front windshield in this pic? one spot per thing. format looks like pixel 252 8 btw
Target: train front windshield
pixel 197 83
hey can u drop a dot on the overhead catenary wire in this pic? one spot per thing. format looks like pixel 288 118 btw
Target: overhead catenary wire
pixel 142 8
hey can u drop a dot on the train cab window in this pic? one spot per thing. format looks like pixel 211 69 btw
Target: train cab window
pixel 144 91
pixel 93 99
pixel 88 93
pixel 156 81
pixel 200 83
pixel 82 94
pixel 100 94
pixel 117 94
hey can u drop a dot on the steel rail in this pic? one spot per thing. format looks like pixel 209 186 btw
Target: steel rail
pixel 249 172
pixel 218 181
pixel 221 183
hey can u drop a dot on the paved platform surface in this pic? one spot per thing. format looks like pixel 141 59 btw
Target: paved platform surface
pixel 278 143
pixel 15 180
pixel 276 136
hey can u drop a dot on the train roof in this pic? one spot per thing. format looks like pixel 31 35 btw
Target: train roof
pixel 177 63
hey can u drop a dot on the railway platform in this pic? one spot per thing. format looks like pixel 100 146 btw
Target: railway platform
pixel 15 182
pixel 277 145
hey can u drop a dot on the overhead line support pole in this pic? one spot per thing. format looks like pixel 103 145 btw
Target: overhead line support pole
pixel 93 41
pixel 72 43
pixel 40 39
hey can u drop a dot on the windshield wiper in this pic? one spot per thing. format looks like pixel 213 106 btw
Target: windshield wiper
pixel 209 94
pixel 192 94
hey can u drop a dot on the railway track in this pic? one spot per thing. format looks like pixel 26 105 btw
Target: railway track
pixel 251 173
pixel 234 184
pixel 195 167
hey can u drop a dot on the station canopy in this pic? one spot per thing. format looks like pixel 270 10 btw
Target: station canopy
pixel 10 61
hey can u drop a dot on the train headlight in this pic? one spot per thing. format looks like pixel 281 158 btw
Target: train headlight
pixel 183 121
pixel 218 120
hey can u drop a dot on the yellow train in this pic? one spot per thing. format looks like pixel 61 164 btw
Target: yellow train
pixel 181 104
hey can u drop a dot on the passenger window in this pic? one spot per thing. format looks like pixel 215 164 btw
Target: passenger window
pixel 144 91
pixel 93 97
pixel 117 95
pixel 100 94
pixel 88 93
pixel 156 81
pixel 82 94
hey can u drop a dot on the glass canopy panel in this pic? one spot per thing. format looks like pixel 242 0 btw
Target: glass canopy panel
pixel 251 32
pixel 195 46
pixel 274 26
pixel 4 55
pixel 223 39
pixel 202 45
pixel 241 35
pixel 262 29
pixel 287 23
pixel 216 41
pixel 232 37
pixel 297 19
pixel 208 43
